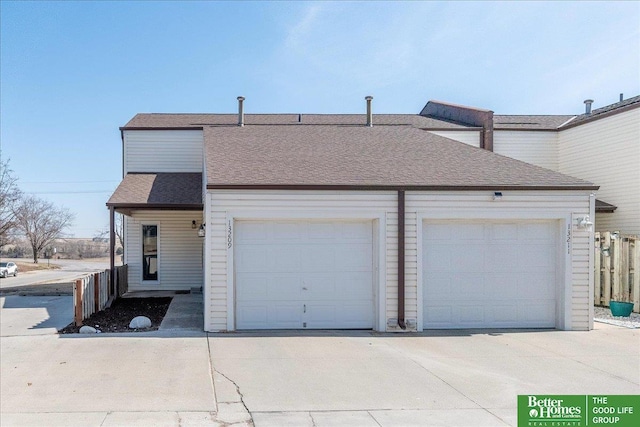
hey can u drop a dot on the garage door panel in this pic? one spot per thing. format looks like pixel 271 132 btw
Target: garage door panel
pixel 256 287
pixel 349 257
pixel 353 286
pixel 507 279
pixel 283 258
pixel 254 232
pixel 538 256
pixel 504 232
pixel 253 259
pixel 316 258
pixel 535 231
pixel 353 232
pixel 317 274
pixel 468 258
pixel 318 287
pixel 323 231
pixel 285 232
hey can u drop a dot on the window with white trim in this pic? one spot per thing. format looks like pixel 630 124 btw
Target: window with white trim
pixel 150 252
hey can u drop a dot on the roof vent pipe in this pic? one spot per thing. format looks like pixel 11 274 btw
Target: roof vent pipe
pixel 369 114
pixel 621 97
pixel 587 106
pixel 240 111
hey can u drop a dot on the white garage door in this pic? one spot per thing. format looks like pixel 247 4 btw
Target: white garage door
pixel 489 275
pixel 304 275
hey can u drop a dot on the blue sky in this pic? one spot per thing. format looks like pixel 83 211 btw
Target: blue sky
pixel 72 73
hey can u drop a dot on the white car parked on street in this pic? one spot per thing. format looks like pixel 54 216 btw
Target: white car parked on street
pixel 8 269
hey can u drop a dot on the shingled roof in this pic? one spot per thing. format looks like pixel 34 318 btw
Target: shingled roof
pixel 353 157
pixel 159 191
pixel 605 111
pixel 198 121
pixel 529 122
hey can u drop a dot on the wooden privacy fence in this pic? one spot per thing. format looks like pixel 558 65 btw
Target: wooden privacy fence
pixel 94 292
pixel 617 269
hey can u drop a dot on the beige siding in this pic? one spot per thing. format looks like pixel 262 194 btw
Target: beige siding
pixel 607 153
pixel 514 205
pixel 179 252
pixel 558 206
pixel 468 137
pixel 538 148
pixel 163 151
pixel 337 205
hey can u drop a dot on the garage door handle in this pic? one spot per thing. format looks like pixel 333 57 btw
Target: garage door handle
pixel 305 308
pixel 304 289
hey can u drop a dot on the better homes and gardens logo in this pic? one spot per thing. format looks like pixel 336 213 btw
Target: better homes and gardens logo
pixel 578 410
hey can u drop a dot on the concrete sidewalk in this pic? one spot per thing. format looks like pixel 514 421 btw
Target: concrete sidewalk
pixel 41 315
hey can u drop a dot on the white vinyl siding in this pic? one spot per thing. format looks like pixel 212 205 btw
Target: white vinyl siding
pixel 607 153
pixel 560 206
pixel 379 206
pixel 179 250
pixel 163 151
pixel 536 147
pixel 468 137
pixel 574 246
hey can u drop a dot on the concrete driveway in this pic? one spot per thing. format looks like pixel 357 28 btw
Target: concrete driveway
pixel 440 378
pixel 188 378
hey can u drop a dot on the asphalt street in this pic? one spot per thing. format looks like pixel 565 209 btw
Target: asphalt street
pixel 69 270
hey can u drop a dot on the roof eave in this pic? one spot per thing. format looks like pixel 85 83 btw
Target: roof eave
pixel 364 187
pixel 598 116
pixel 157 206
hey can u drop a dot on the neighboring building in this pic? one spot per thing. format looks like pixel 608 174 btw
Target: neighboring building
pixel 601 146
pixel 352 221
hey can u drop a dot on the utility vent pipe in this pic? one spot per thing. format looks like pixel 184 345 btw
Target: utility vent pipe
pixel 621 97
pixel 587 106
pixel 240 111
pixel 369 98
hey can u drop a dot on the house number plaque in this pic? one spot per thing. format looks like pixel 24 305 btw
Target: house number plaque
pixel 229 237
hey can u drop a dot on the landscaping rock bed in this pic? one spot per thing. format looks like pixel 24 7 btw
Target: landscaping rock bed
pixel 603 315
pixel 117 317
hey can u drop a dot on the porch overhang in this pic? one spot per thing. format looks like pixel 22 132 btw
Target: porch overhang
pixel 158 191
pixel 603 207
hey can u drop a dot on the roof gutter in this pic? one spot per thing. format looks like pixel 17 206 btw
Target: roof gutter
pixel 330 187
pixel 401 259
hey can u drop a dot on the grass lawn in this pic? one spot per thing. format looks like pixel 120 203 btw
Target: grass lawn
pixel 23 267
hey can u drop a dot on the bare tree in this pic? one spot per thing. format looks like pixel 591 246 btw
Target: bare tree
pixel 9 196
pixel 119 229
pixel 41 222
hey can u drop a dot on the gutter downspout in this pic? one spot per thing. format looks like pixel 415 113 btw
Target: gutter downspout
pixel 401 320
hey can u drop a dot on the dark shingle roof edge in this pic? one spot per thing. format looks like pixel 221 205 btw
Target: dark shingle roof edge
pixel 606 111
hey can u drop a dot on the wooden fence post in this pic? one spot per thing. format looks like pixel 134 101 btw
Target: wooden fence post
pixel 636 276
pixel 77 292
pixel 606 273
pixel 597 285
pixel 96 291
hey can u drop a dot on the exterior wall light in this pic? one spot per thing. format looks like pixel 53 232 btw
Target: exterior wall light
pixel 497 196
pixel 584 223
pixel 201 230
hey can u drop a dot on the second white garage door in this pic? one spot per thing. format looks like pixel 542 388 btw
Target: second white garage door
pixel 489 274
pixel 304 275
